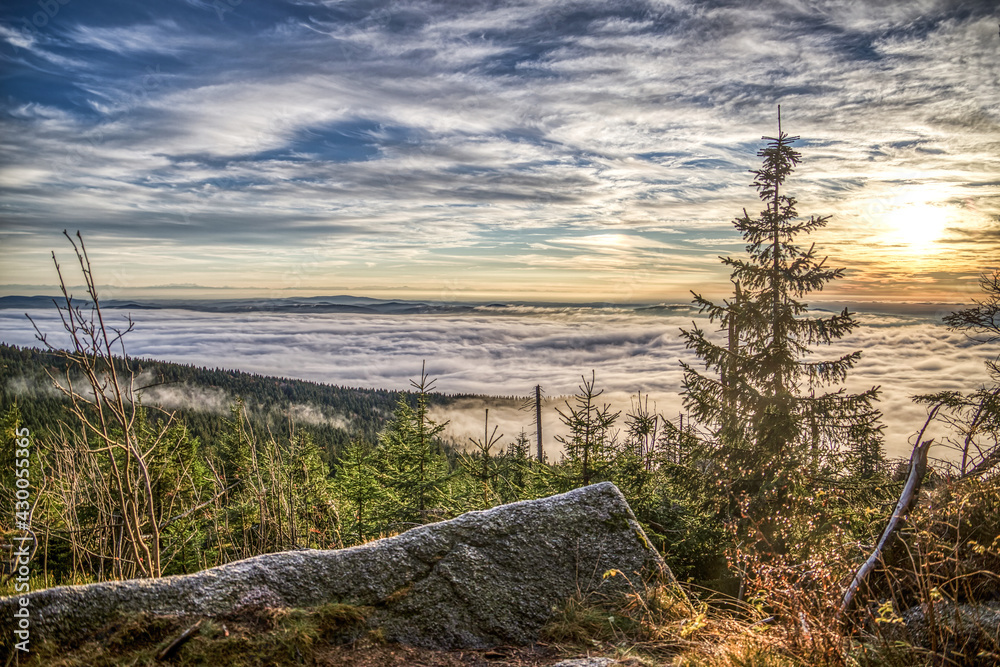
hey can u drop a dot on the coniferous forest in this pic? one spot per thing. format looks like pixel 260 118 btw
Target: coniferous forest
pixel 771 504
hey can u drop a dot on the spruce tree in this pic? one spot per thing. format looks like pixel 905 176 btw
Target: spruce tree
pixel 484 465
pixel 766 396
pixel 362 498
pixel 313 520
pixel 410 462
pixel 590 447
pixel 981 322
pixel 516 469
pixel 633 470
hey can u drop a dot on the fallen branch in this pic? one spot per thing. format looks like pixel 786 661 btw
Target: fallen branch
pixel 177 643
pixel 918 467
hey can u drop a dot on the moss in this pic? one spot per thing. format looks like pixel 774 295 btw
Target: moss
pixel 617 521
pixel 258 637
pixel 139 630
pixel 376 636
pixel 642 538
pixel 341 622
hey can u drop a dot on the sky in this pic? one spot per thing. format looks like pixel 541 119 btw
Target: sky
pixel 476 151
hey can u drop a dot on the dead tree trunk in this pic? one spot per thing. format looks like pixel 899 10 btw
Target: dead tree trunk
pixel 538 421
pixel 918 468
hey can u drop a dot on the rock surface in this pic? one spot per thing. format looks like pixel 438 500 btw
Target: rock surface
pixel 479 580
pixel 958 631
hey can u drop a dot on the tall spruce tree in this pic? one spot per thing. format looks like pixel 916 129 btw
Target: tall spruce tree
pixel 766 395
pixel 411 465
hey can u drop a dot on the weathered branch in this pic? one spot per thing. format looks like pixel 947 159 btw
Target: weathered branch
pixel 988 462
pixel 177 643
pixel 918 468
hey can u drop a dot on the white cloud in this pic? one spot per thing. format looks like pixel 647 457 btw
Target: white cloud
pixel 507 354
pixel 162 37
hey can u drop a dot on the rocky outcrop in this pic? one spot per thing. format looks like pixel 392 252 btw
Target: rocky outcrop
pixel 482 579
pixel 959 632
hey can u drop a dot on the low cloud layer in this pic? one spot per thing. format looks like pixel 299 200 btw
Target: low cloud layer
pixel 507 355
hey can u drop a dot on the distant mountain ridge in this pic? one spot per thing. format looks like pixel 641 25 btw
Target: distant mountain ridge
pixel 318 304
pixel 344 303
pixel 335 304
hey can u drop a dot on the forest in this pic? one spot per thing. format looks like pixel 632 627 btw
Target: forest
pixel 27 373
pixel 796 540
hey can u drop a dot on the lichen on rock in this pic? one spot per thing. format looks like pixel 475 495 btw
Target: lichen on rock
pixel 482 579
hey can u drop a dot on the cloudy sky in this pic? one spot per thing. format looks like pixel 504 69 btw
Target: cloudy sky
pixel 469 150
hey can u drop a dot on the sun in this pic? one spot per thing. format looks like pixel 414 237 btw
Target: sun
pixel 916 226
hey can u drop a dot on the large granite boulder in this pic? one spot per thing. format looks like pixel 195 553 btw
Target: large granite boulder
pixel 482 579
pixel 965 634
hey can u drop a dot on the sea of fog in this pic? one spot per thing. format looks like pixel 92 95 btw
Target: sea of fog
pixel 506 351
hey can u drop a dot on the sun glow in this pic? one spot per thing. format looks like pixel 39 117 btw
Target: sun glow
pixel 916 226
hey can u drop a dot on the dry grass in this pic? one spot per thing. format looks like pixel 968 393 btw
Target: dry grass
pixel 935 600
pixel 667 625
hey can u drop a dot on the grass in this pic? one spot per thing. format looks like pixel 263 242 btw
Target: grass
pixel 37 582
pixel 792 621
pixel 652 626
pixel 249 638
pixel 664 625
